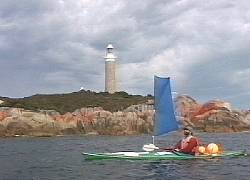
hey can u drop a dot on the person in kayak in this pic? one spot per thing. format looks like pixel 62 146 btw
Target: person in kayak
pixel 189 143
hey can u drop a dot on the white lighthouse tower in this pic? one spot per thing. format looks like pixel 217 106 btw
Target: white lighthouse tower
pixel 110 70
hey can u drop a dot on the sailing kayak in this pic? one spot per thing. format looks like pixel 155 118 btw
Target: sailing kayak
pixel 158 155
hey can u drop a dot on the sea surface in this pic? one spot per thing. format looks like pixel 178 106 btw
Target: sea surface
pixel 55 158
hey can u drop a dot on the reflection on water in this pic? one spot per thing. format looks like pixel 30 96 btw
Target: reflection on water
pixel 60 158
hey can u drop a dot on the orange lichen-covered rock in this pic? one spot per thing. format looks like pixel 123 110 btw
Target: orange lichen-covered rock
pixel 209 108
pixel 214 105
pixel 205 115
pixel 3 115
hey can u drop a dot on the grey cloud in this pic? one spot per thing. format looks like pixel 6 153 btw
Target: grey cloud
pixel 58 46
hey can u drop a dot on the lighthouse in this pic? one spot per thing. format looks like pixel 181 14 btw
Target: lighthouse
pixel 110 70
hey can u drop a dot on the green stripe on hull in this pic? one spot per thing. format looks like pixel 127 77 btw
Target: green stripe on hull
pixel 157 156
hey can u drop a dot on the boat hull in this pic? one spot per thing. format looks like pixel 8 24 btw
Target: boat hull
pixel 158 155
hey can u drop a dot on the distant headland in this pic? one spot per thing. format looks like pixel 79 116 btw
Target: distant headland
pixel 88 112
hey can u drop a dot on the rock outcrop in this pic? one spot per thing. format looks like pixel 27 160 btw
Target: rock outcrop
pixel 1 101
pixel 15 122
pixel 213 116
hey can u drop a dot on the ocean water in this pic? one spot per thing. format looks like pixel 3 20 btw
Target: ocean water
pixel 53 158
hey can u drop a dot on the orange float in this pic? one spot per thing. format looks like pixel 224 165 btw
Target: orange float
pixel 201 149
pixel 212 148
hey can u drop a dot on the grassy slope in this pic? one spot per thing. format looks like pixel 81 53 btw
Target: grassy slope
pixel 72 101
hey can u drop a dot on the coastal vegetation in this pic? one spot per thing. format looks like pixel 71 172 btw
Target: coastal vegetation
pixel 63 103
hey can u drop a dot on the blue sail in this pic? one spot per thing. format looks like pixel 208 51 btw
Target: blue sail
pixel 165 120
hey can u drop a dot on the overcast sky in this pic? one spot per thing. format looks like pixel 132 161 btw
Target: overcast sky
pixel 57 46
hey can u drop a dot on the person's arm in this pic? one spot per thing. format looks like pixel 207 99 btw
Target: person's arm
pixel 191 145
pixel 178 145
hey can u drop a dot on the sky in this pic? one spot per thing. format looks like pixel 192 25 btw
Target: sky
pixel 57 46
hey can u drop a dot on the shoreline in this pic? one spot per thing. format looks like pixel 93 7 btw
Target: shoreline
pixel 93 135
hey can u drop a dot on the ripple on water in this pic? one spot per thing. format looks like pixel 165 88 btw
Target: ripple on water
pixel 60 158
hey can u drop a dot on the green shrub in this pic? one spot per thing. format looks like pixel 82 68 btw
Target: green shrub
pixel 69 102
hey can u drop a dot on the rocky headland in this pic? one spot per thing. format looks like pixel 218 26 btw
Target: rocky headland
pixel 213 116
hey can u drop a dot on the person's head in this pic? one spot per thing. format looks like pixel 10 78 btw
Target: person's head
pixel 187 131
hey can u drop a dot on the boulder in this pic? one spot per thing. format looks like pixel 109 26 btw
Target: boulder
pixel 18 128
pixel 2 131
pixel 186 107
